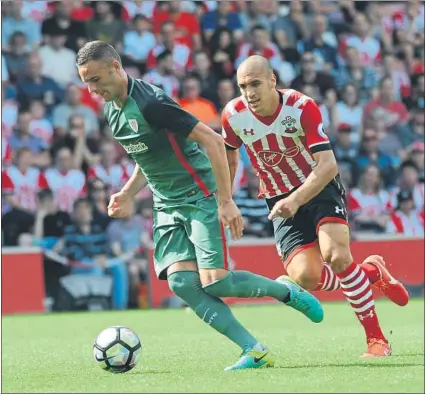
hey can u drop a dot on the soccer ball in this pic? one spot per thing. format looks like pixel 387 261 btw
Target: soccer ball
pixel 117 349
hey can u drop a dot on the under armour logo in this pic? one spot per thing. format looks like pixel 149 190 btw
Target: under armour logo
pixel 369 314
pixel 339 210
pixel 250 131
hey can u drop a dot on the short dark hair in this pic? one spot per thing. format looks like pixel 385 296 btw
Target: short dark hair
pixel 44 194
pixel 82 201
pixel 97 51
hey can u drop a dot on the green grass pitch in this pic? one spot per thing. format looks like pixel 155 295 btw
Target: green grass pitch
pixel 53 353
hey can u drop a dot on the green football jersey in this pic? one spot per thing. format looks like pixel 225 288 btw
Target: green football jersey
pixel 153 130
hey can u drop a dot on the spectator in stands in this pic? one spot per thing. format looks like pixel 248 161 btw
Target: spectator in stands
pixel 199 107
pixel 182 57
pixel 289 29
pixel 386 107
pixel 50 221
pixel 138 42
pixel 107 170
pixel 318 43
pixel 16 22
pixel 104 26
pixel 363 77
pixel 125 236
pixel 21 182
pixel 309 75
pixel 368 46
pixel 140 7
pixel 73 106
pixel 9 113
pixel 223 53
pixel 414 130
pixel 22 136
pixel 253 210
pixel 259 44
pixel 349 111
pixel 225 91
pixel 406 219
pixel 39 125
pixel 343 145
pixel 415 153
pixel 396 69
pixel 369 201
pixel 67 183
pixel 163 75
pixel 417 98
pixel 408 180
pixel 17 57
pixel 61 21
pixel 56 53
pixel 35 86
pixel 223 16
pixel 203 71
pixel 186 24
pixel 98 193
pixel 85 245
pixel 370 154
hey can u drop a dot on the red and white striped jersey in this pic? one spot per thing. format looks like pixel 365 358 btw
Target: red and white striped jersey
pixel 24 186
pixel 370 204
pixel 66 187
pixel 280 146
pixel 114 177
pixel 411 225
pixel 418 197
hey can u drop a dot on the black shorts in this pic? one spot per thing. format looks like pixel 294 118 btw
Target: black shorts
pixel 300 232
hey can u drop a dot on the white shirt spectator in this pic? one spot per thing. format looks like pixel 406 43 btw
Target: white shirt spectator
pixel 352 116
pixel 145 7
pixel 59 64
pixel 42 128
pixel 9 116
pixel 168 83
pixel 138 46
pixel 409 225
pixel 369 49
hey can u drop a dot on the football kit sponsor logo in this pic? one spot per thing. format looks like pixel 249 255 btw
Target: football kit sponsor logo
pixel 135 148
pixel 273 159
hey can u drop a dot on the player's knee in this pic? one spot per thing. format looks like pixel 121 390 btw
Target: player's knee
pixel 209 276
pixel 338 259
pixel 184 284
pixel 307 280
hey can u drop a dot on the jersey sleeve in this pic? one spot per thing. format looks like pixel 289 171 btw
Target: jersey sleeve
pixel 164 113
pixel 312 124
pixel 231 140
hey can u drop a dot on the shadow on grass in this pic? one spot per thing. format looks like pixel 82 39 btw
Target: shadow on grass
pixel 151 372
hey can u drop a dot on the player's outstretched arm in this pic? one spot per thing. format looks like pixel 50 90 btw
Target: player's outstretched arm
pixel 233 161
pixel 214 145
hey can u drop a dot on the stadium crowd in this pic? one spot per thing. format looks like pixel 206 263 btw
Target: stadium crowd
pixel 363 63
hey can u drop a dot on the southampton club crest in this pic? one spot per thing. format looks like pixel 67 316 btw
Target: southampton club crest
pixel 290 125
pixel 134 125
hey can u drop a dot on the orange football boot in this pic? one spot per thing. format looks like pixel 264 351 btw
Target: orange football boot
pixel 377 348
pixel 390 286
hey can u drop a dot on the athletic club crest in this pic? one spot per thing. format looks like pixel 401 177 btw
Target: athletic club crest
pixel 133 124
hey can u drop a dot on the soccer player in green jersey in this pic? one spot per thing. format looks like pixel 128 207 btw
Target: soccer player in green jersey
pixel 192 200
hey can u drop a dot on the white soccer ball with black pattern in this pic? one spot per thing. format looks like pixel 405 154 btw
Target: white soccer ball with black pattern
pixel 117 349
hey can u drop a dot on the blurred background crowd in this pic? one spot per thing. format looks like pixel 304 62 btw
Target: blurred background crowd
pixel 363 63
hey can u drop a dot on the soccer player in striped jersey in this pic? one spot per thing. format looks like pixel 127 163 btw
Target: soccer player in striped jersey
pixel 283 133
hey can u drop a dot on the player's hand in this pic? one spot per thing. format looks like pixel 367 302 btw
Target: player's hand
pixel 231 218
pixel 285 208
pixel 120 205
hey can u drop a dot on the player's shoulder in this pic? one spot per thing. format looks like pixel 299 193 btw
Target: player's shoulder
pixel 294 98
pixel 234 107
